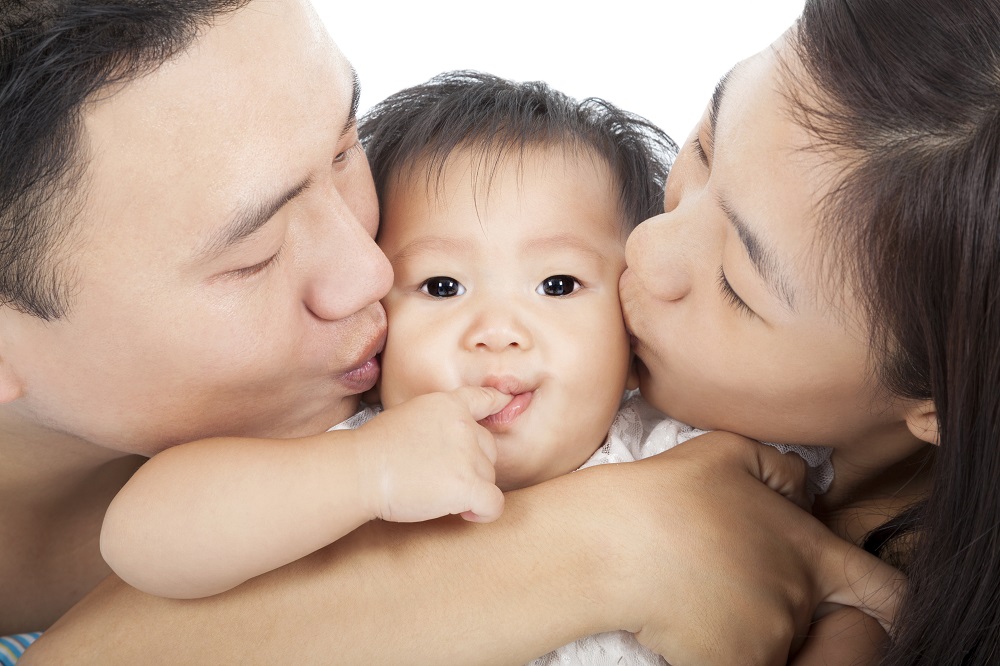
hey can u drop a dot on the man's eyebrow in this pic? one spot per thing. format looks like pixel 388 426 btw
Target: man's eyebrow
pixel 246 221
pixel 762 257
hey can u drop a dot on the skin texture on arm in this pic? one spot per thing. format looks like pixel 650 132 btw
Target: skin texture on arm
pixel 845 636
pixel 203 517
pixel 562 562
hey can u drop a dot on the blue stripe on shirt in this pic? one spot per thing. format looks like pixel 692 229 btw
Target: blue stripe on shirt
pixel 12 647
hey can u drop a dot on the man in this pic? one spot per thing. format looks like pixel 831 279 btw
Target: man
pixel 188 252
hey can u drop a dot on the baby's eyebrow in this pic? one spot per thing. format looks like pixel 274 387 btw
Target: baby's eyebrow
pixel 548 244
pixel 433 245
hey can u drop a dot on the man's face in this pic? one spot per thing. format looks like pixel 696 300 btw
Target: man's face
pixel 226 278
pixel 513 285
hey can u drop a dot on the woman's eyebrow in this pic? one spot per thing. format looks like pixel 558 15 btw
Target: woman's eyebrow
pixel 716 102
pixel 719 97
pixel 762 257
pixel 352 115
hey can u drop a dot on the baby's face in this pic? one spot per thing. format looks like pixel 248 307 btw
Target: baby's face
pixel 515 288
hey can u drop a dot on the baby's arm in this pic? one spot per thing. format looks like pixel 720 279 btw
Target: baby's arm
pixel 203 517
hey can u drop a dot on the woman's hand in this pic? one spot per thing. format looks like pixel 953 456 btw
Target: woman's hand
pixel 733 571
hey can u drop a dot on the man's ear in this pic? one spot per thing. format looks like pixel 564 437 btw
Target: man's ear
pixel 632 380
pixel 922 421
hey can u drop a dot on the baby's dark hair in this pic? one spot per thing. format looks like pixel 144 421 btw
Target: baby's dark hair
pixel 492 116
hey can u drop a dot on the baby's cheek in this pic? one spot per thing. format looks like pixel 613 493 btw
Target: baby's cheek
pixel 410 374
pixel 393 386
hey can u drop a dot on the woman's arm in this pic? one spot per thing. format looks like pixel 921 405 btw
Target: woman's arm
pixel 203 517
pixel 687 549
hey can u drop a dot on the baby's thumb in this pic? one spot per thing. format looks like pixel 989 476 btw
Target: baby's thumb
pixel 482 401
pixel 784 473
pixel 487 504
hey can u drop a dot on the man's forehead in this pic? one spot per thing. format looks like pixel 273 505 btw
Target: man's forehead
pixel 223 123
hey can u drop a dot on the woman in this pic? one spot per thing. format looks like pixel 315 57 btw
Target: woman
pixel 842 190
pixel 847 181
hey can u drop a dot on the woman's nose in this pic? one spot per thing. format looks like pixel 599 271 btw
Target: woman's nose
pixel 658 252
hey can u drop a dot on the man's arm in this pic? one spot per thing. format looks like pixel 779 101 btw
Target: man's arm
pixel 687 549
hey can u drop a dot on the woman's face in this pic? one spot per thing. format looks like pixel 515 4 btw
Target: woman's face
pixel 736 324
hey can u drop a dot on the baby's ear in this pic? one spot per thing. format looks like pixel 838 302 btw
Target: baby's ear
pixel 632 381
pixel 922 421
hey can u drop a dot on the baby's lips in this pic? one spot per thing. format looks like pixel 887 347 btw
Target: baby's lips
pixel 508 414
pixel 508 384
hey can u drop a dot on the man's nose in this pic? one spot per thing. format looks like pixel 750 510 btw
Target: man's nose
pixel 346 270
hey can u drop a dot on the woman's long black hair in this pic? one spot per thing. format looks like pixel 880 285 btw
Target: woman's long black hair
pixel 907 92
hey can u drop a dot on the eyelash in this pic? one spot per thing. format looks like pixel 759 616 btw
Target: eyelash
pixel 450 283
pixel 730 295
pixel 699 150
pixel 250 271
pixel 342 156
pixel 559 281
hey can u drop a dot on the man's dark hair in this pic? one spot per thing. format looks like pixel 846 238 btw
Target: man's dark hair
pixel 493 116
pixel 56 55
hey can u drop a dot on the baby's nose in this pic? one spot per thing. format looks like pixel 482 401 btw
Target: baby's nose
pixel 496 332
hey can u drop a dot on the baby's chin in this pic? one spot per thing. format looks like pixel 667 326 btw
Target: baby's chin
pixel 517 468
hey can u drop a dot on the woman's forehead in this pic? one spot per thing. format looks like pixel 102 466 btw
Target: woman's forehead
pixel 773 175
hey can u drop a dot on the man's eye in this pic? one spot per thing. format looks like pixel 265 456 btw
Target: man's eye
pixel 558 285
pixel 250 271
pixel 442 286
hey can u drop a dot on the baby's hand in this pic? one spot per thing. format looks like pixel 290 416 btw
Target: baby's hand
pixel 428 458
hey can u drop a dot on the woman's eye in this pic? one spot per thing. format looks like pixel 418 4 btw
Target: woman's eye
pixel 732 297
pixel 558 285
pixel 442 286
pixel 699 150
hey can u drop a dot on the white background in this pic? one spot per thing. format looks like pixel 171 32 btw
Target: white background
pixel 660 59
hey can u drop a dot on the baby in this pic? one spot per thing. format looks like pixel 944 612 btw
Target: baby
pixel 505 209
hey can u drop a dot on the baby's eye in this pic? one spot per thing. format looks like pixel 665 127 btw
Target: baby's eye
pixel 558 285
pixel 442 286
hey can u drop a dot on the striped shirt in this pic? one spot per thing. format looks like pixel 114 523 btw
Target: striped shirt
pixel 12 647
